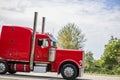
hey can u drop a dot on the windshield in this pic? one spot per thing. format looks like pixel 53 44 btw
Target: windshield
pixel 53 42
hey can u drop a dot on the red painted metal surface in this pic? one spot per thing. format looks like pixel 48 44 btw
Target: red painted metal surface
pixel 15 43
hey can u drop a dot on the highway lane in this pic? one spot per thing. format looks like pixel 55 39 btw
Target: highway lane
pixel 34 76
pixel 50 76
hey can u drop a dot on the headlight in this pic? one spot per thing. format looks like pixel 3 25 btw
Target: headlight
pixel 81 63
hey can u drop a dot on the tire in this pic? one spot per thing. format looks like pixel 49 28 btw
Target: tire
pixel 12 71
pixel 3 67
pixel 69 71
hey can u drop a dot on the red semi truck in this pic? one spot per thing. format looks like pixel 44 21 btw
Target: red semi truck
pixel 15 51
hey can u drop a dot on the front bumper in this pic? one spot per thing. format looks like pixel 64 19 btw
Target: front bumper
pixel 81 72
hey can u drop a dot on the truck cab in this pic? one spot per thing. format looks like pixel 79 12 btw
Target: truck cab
pixel 43 44
pixel 15 47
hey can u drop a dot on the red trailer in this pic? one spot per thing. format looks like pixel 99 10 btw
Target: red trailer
pixel 15 51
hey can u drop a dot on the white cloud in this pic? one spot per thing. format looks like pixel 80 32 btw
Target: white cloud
pixel 14 5
pixel 96 22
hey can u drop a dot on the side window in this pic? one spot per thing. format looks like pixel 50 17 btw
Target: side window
pixel 43 42
pixel 40 42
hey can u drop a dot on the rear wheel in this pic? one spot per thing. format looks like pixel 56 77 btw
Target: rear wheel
pixel 69 71
pixel 3 67
pixel 12 71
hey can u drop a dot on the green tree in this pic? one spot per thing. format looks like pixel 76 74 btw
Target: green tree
pixel 111 55
pixel 70 37
pixel 98 67
pixel 89 62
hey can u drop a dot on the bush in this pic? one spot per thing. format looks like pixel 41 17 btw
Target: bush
pixel 116 70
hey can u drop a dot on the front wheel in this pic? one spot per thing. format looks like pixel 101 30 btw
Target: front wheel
pixel 69 71
pixel 3 67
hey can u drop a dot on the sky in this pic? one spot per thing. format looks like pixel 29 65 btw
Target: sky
pixel 98 19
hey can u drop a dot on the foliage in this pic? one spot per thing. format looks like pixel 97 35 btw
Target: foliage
pixel 109 62
pixel 111 54
pixel 89 61
pixel 70 37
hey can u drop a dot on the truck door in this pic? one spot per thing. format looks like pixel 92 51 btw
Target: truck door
pixel 42 50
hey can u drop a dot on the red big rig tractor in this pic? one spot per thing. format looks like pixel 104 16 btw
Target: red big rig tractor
pixel 15 47
pixel 22 49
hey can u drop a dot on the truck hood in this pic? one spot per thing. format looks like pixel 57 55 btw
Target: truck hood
pixel 70 54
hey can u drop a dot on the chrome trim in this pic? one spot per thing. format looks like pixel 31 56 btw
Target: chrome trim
pixel 38 62
pixel 68 71
pixel 81 63
pixel 52 53
pixel 83 59
pixel 24 67
pixel 81 72
pixel 15 67
pixel 2 67
pixel 17 60
pixel 40 68
pixel 81 69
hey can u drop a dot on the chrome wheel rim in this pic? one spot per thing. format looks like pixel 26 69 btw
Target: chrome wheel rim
pixel 2 67
pixel 68 71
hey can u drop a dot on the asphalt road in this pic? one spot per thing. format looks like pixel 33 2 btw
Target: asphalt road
pixel 50 76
